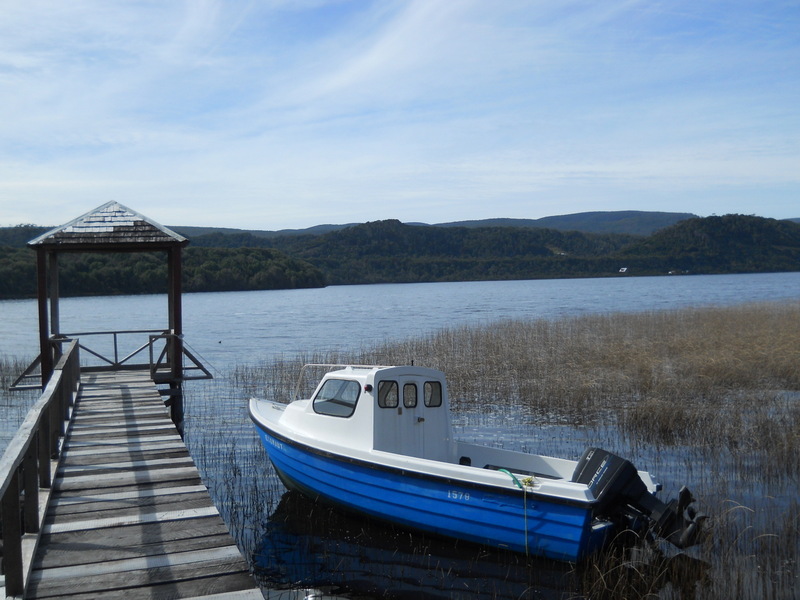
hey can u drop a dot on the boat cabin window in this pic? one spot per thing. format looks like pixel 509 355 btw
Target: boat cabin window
pixel 433 393
pixel 409 395
pixel 337 398
pixel 388 396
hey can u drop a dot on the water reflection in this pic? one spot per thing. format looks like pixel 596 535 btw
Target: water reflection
pixel 308 544
pixel 311 545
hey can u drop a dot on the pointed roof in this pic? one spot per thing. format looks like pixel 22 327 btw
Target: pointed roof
pixel 111 226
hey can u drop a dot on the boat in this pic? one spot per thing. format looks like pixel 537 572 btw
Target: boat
pixel 378 440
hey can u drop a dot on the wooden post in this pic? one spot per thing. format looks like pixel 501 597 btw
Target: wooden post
pixel 30 483
pixel 176 339
pixel 54 417
pixel 44 331
pixel 176 311
pixel 55 327
pixel 12 539
pixel 45 455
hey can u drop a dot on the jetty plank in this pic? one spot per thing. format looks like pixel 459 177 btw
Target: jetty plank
pixel 129 515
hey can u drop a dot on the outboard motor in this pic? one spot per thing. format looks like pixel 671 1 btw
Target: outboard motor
pixel 619 491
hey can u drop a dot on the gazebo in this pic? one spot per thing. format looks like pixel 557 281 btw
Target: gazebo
pixel 112 228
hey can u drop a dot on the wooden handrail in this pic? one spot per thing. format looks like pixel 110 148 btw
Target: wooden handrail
pixel 27 468
pixel 160 362
pixel 114 362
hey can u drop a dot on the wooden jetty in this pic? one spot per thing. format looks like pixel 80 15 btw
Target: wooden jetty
pixel 125 514
pixel 99 497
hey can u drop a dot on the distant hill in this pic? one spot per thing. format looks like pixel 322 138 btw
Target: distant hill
pixel 633 222
pixel 19 236
pixel 392 252
pixel 192 232
pixel 726 244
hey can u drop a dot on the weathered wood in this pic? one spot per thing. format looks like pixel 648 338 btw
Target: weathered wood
pixel 134 495
pixel 122 442
pixel 179 581
pixel 78 511
pixel 25 466
pixel 63 551
pixel 30 486
pixel 127 539
pixel 129 516
pixel 12 538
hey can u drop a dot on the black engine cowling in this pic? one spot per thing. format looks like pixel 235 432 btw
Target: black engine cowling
pixel 619 491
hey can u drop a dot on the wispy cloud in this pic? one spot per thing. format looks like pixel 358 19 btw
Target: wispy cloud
pixel 292 113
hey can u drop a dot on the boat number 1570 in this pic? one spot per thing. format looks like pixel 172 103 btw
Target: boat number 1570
pixel 457 495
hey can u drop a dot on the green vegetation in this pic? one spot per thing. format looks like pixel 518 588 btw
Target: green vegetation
pixel 218 269
pixel 727 244
pixel 204 270
pixel 393 252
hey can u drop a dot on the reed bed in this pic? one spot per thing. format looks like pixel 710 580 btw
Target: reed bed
pixel 14 406
pixel 708 397
pixel 713 378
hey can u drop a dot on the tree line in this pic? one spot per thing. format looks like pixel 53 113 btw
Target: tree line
pixel 204 270
pixel 393 252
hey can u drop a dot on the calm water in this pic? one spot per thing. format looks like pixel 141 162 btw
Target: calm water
pixel 230 327
pixel 295 544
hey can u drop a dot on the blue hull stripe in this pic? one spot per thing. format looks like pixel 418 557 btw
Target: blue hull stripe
pixel 464 510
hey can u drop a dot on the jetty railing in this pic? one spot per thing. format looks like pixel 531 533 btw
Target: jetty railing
pixel 27 469
pixel 113 361
pixel 110 357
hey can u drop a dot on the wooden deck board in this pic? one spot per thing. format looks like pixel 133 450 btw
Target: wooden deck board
pixel 129 516
pixel 75 512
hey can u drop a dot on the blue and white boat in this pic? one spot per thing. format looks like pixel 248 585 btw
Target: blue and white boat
pixel 379 440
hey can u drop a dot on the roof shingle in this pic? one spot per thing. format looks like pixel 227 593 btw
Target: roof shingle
pixel 111 224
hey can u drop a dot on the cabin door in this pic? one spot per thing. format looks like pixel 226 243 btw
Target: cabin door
pixel 412 418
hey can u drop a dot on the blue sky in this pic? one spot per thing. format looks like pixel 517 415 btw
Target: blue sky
pixel 280 114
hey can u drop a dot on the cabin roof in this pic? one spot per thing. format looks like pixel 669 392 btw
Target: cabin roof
pixel 111 226
pixel 386 370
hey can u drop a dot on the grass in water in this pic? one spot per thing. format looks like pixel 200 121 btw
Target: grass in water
pixel 707 397
pixel 14 406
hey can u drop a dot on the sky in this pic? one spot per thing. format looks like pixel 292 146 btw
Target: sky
pixel 277 114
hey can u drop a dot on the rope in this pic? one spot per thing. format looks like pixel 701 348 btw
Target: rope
pixel 524 489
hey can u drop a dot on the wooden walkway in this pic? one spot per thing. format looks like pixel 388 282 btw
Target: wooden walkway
pixel 129 516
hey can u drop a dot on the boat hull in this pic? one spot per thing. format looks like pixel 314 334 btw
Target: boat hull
pixel 519 520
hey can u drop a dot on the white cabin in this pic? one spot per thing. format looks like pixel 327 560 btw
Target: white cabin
pixel 403 410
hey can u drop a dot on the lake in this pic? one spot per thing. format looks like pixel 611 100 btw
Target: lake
pixel 295 544
pixel 229 327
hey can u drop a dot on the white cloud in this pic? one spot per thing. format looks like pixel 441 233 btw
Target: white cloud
pixel 352 110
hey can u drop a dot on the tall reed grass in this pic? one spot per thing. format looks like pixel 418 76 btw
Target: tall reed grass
pixel 14 405
pixel 708 397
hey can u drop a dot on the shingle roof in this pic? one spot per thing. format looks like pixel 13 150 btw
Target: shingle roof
pixel 109 225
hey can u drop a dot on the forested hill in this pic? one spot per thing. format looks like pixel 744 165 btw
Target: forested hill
pixel 204 270
pixel 726 244
pixel 390 251
pixel 634 222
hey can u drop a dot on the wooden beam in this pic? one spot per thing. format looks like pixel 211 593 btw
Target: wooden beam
pixel 44 329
